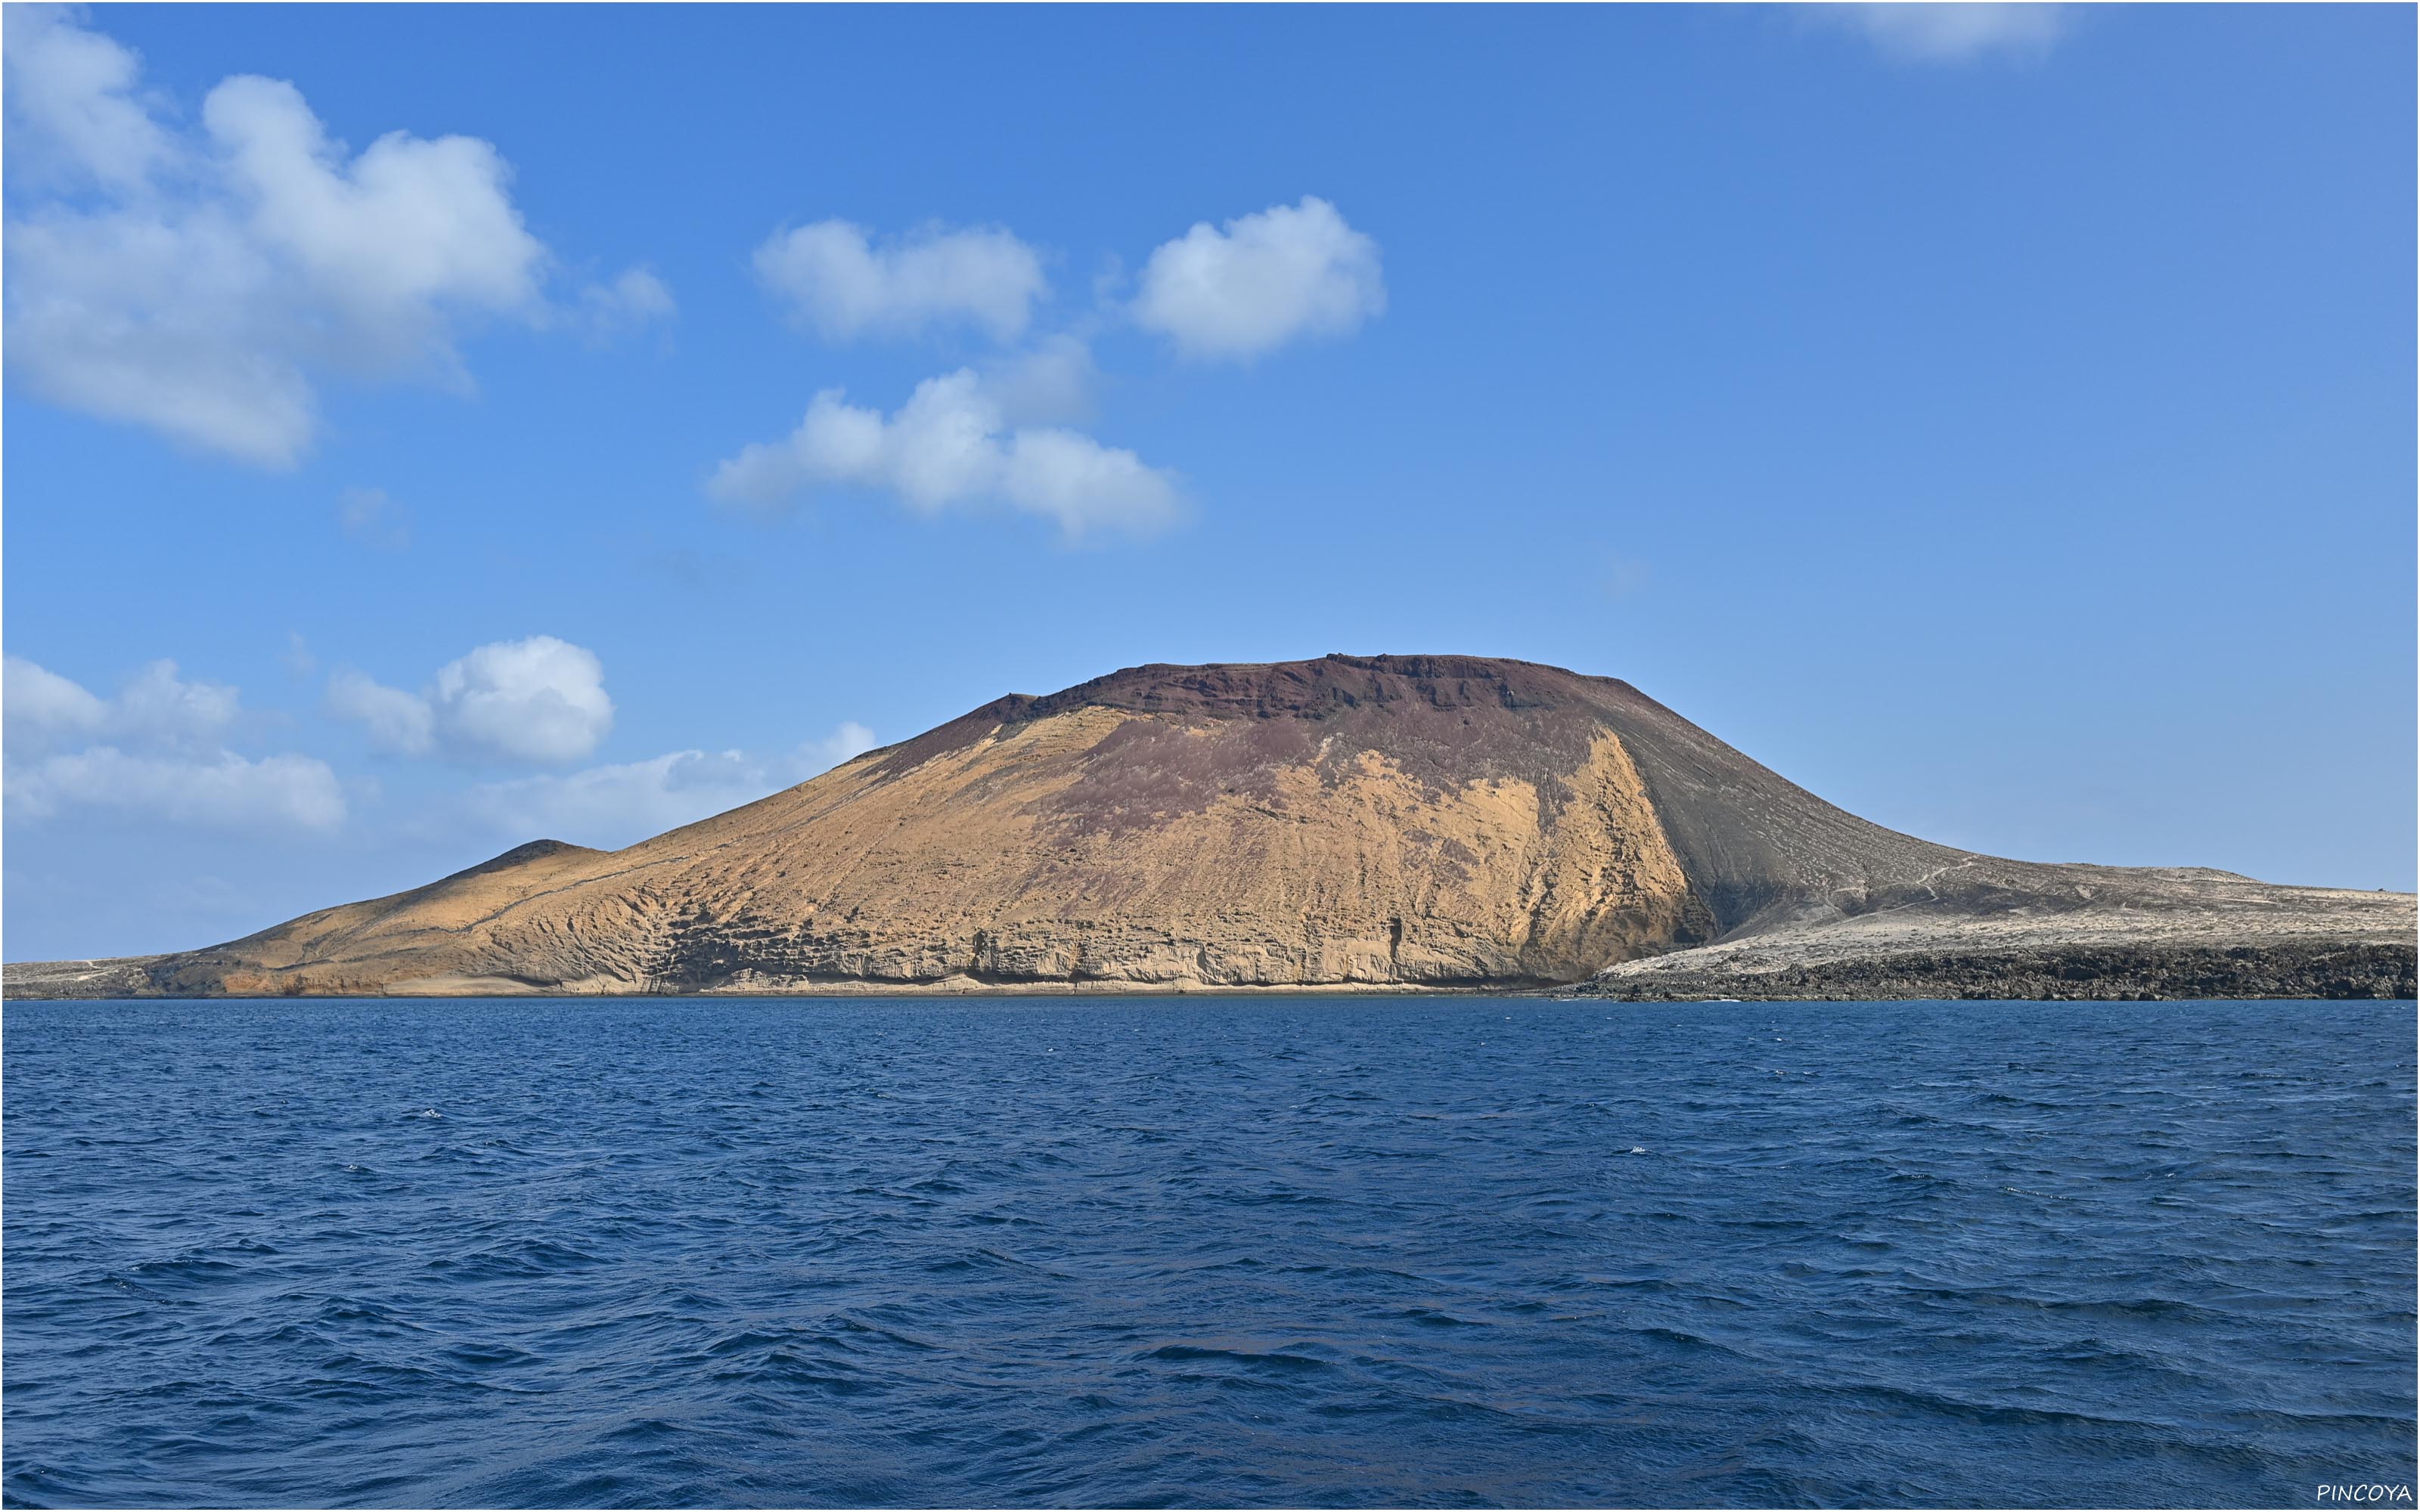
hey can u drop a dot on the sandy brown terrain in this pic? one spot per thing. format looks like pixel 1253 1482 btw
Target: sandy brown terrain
pixel 1345 824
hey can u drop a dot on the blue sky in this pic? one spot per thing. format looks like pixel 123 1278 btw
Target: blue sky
pixel 1999 420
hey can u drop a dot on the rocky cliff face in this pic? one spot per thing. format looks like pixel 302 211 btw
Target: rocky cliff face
pixel 1423 820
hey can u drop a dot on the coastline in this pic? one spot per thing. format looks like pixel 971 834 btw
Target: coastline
pixel 2298 970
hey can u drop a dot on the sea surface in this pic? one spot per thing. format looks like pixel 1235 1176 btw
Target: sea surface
pixel 1205 1251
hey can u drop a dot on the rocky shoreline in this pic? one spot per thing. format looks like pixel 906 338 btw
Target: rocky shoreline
pixel 2091 973
pixel 116 976
pixel 2101 972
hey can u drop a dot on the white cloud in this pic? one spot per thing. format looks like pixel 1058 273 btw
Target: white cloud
pixel 168 324
pixel 951 444
pixel 632 300
pixel 389 240
pixel 211 277
pixel 1924 32
pixel 396 720
pixel 837 280
pixel 41 707
pixel 44 711
pixel 223 791
pixel 71 97
pixel 1289 271
pixel 610 806
pixel 178 768
pixel 539 700
pixel 1049 384
pixel 160 706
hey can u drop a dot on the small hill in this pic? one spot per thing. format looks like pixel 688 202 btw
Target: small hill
pixel 1371 821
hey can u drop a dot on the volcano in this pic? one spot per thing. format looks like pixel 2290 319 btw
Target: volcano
pixel 1353 822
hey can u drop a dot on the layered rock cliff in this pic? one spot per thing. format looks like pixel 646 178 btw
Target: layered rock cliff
pixel 1378 821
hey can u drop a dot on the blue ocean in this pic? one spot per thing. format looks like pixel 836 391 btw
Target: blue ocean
pixel 1229 1252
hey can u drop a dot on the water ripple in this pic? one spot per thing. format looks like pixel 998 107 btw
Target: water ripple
pixel 1237 1253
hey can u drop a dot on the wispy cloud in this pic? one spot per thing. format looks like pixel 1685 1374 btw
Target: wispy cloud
pixel 370 516
pixel 1922 31
pixel 156 750
pixel 635 299
pixel 836 279
pixel 613 806
pixel 224 791
pixel 157 707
